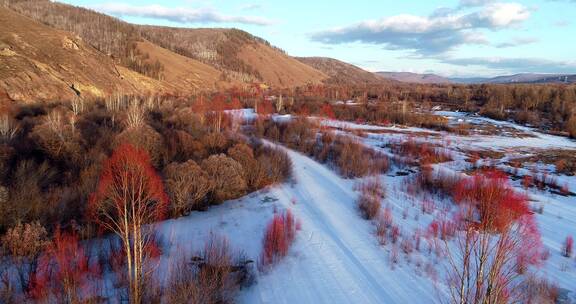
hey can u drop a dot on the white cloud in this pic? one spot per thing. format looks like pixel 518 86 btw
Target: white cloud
pixel 517 42
pixel 437 33
pixel 502 14
pixel 474 3
pixel 177 14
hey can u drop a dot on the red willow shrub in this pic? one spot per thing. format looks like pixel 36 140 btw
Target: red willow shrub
pixel 529 250
pixel 567 247
pixel 395 234
pixel 384 223
pixel 327 111
pixel 372 186
pixel 427 206
pixel 63 272
pixel 498 205
pixel 353 159
pixel 371 192
pixel 433 181
pixel 278 238
pixel 443 228
pixel 527 181
pixel 422 152
pixel 407 246
pixel 369 205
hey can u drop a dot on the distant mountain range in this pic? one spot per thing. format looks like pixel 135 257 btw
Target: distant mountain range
pixel 516 78
pixel 413 77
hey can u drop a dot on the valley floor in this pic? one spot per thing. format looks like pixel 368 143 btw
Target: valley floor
pixel 336 257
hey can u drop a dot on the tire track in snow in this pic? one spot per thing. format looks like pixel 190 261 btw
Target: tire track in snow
pixel 335 258
pixel 319 182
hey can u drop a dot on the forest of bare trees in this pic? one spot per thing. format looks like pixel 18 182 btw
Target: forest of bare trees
pixel 547 106
pixel 72 171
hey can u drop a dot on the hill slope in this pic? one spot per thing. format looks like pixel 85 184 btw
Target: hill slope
pixel 414 77
pixel 341 72
pixel 40 63
pixel 182 72
pixel 239 56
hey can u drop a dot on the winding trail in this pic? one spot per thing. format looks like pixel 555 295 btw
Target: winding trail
pixel 335 258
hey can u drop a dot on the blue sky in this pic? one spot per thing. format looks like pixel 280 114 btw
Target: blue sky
pixel 459 38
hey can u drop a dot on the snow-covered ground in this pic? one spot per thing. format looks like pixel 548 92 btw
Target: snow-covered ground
pixel 336 257
pixel 559 217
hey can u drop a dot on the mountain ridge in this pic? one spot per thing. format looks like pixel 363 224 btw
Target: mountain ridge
pixel 414 77
pixel 519 78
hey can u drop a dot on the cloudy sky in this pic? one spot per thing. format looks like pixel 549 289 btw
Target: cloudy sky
pixel 459 38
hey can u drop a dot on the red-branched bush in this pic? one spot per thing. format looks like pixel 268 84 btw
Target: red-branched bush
pixel 427 206
pixel 395 234
pixel 497 204
pixel 63 272
pixel 433 181
pixel 407 246
pixel 350 157
pixel 384 222
pixel 327 111
pixel 568 246
pixel 372 186
pixel 527 181
pixel 369 205
pixel 371 192
pixel 278 238
pixel 444 229
pixel 529 249
pixel 424 152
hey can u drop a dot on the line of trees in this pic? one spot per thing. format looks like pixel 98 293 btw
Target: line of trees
pixel 547 106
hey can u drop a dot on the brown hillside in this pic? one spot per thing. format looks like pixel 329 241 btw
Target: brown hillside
pixel 40 63
pixel 121 41
pixel 341 72
pixel 184 73
pixel 277 69
pixel 226 50
pixel 241 56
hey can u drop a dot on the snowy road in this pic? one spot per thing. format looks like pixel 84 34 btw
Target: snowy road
pixel 336 259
